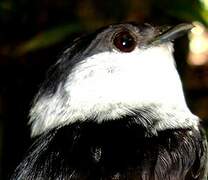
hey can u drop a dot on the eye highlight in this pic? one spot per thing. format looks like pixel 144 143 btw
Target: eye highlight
pixel 124 41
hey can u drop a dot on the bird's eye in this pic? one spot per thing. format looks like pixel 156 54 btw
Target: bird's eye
pixel 124 41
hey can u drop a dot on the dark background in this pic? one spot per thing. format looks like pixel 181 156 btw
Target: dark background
pixel 34 33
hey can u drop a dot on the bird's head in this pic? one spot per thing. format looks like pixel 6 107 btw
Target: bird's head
pixel 112 73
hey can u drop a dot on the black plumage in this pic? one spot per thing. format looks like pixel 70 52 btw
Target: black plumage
pixel 119 149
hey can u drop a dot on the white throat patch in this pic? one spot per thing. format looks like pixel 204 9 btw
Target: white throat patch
pixel 109 84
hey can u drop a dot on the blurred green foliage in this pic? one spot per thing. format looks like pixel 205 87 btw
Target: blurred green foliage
pixel 47 38
pixel 186 10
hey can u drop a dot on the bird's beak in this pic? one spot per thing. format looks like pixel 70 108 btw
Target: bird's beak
pixel 171 33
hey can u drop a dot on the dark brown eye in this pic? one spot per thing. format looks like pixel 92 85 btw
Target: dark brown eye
pixel 124 41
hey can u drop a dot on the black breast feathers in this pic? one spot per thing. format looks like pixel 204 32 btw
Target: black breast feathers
pixel 115 150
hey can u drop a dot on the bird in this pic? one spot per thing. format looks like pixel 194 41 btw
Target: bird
pixel 113 107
